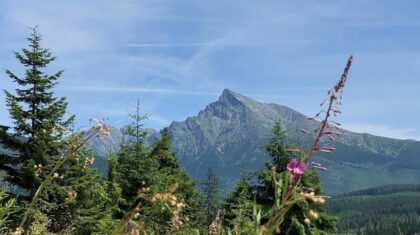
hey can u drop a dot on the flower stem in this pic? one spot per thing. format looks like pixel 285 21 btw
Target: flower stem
pixel 268 227
pixel 48 178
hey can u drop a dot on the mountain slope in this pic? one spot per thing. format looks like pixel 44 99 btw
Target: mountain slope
pixel 230 135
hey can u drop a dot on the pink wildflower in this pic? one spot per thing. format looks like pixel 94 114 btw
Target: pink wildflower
pixel 295 167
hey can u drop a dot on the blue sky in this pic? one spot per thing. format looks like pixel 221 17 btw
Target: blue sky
pixel 177 56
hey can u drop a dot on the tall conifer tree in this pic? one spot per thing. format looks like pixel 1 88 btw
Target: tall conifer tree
pixel 211 195
pixel 169 173
pixel 156 168
pixel 136 132
pixel 131 168
pixel 162 151
pixel 38 118
pixel 75 197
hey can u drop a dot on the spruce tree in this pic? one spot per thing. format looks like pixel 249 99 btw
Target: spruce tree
pixel 157 168
pixel 162 152
pixel 239 206
pixel 76 196
pixel 38 118
pixel 135 131
pixel 211 195
pixel 276 148
pixel 130 168
pixel 170 173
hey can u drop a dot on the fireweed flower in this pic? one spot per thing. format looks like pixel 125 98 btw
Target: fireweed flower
pixel 326 128
pixel 295 167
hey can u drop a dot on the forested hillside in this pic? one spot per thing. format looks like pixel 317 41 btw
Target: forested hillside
pixel 390 209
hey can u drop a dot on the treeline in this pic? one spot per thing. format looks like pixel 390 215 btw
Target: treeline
pixel 386 189
pixel 391 209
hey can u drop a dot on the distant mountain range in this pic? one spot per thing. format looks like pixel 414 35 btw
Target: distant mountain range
pixel 229 135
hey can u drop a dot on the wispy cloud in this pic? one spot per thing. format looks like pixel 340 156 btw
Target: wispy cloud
pixel 383 130
pixel 383 24
pixel 269 97
pixel 227 43
pixel 187 52
pixel 191 44
pixel 159 91
pixel 160 120
pixel 297 88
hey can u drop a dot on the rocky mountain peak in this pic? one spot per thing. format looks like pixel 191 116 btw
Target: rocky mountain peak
pixel 228 94
pixel 233 98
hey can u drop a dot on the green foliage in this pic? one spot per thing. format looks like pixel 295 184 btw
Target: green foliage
pixel 58 193
pixel 135 131
pixel 156 169
pixel 71 197
pixel 211 195
pixel 390 209
pixel 38 118
pixel 167 160
pixel 90 208
pixel 241 209
pixel 266 190
pixel 7 207
pixel 276 148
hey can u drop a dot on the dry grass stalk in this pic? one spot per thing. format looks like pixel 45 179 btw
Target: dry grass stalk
pixel 216 226
pixel 170 200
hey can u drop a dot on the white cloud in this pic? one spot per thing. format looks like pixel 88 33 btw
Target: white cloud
pixel 383 130
pixel 227 43
pixel 159 120
pixel 80 25
pixel 190 44
pixel 305 88
pixel 162 91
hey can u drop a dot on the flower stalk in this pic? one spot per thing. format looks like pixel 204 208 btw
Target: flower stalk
pixel 99 128
pixel 296 168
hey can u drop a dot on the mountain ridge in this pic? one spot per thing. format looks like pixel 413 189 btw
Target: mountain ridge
pixel 244 125
pixel 229 135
